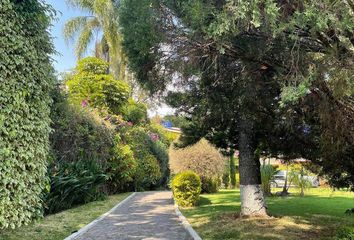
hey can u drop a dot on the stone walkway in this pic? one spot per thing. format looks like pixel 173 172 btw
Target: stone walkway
pixel 147 215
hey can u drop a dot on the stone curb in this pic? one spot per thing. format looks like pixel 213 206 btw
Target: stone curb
pixel 94 222
pixel 193 234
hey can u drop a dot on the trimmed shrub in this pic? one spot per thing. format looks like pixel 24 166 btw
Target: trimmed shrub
pixel 26 78
pixel 201 158
pixel 186 187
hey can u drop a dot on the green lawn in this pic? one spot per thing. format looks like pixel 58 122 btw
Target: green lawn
pixel 318 215
pixel 60 225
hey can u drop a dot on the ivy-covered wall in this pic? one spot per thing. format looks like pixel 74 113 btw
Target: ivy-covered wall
pixel 26 77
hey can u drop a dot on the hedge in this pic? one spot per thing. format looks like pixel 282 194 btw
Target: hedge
pixel 26 76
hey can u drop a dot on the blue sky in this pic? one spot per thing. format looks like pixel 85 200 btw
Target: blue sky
pixel 66 59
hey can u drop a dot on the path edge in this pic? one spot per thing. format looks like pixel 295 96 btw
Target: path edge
pixel 94 222
pixel 187 226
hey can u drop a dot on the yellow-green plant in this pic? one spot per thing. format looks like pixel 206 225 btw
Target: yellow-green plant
pixel 186 187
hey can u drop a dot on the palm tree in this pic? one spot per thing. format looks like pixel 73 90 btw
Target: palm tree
pixel 102 18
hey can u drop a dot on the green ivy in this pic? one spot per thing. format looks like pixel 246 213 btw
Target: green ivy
pixel 26 77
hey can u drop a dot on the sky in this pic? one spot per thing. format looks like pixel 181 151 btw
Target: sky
pixel 65 60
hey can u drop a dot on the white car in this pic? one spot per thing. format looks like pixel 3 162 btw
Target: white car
pixel 279 180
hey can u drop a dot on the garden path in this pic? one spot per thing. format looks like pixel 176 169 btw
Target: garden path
pixel 146 215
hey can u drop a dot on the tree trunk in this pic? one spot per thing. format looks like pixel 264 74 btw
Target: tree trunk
pixel 285 187
pixel 252 198
pixel 232 170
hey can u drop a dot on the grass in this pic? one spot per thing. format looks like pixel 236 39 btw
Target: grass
pixel 318 215
pixel 59 226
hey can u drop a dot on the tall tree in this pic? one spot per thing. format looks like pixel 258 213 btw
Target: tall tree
pixel 246 70
pixel 102 18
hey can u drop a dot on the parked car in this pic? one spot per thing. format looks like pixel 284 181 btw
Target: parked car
pixel 279 180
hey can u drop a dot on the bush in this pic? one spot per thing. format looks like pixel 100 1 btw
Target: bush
pixel 201 158
pixel 74 183
pixel 186 187
pixel 267 174
pixel 210 185
pixel 121 168
pixel 148 173
pixel 135 113
pixel 26 78
pixel 79 134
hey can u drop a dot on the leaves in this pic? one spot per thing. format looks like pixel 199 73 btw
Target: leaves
pixel 26 77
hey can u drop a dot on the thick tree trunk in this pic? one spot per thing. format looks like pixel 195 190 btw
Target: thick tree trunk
pixel 252 198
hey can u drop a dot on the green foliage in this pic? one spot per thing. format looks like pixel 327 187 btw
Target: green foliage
pixel 186 187
pixel 91 85
pixel 148 170
pixel 82 156
pixel 121 167
pixel 345 233
pixel 267 174
pixel 135 113
pixel 284 68
pixel 210 185
pixel 299 179
pixel 160 151
pixel 140 49
pixel 26 77
pixel 74 183
pixel 202 158
pixel 232 170
pixel 226 178
pixel 79 134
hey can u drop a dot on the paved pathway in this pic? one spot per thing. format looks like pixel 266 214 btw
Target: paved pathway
pixel 147 215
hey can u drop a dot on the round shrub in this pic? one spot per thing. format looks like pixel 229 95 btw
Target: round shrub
pixel 186 187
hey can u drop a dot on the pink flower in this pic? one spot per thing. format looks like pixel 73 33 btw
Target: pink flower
pixel 84 103
pixel 130 124
pixel 154 137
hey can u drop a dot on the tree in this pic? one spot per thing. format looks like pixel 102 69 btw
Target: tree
pixel 90 85
pixel 247 67
pixel 102 18
pixel 232 171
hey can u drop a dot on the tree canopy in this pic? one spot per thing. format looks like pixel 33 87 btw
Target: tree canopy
pixel 260 76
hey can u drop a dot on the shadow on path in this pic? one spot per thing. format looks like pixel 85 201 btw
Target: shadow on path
pixel 147 215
